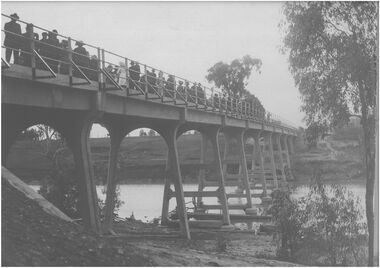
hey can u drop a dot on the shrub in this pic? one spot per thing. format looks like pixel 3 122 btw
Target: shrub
pixel 323 228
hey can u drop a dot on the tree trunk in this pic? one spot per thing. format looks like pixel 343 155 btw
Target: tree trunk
pixel 369 157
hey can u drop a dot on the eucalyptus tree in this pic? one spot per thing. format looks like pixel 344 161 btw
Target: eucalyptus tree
pixel 232 78
pixel 332 48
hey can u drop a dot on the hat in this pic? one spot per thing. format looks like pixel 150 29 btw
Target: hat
pixel 79 43
pixel 55 31
pixel 29 25
pixel 44 34
pixel 15 16
pixel 180 82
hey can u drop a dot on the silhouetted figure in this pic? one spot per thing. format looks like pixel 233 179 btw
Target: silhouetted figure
pixel 12 40
pixel 200 94
pixel 193 93
pixel 152 80
pixel 161 82
pixel 94 66
pixel 181 91
pixel 80 57
pixel 64 58
pixel 216 101
pixel 134 74
pixel 26 45
pixel 170 86
pixel 42 49
pixel 53 51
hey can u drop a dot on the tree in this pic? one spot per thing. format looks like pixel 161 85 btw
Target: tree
pixel 232 78
pixel 332 55
pixel 151 133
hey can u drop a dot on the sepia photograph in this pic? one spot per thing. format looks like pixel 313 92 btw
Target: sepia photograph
pixel 178 133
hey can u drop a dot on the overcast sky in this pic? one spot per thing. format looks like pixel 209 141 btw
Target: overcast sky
pixel 183 38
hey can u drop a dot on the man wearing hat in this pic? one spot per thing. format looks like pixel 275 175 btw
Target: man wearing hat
pixel 12 40
pixel 80 57
pixel 25 45
pixel 53 50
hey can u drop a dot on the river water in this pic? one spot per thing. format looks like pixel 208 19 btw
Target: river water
pixel 145 200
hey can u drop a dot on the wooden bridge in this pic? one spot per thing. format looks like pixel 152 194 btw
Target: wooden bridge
pixel 70 97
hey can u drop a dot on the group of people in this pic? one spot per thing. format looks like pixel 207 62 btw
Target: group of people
pixel 53 52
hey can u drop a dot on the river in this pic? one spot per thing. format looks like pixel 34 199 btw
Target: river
pixel 145 200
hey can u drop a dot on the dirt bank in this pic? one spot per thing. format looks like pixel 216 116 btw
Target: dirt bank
pixel 30 237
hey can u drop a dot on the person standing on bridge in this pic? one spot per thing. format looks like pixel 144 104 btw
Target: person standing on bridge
pixel 64 57
pixel 25 45
pixel 134 74
pixel 80 57
pixel 12 39
pixel 53 50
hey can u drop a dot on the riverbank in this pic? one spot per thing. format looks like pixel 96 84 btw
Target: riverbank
pixel 30 237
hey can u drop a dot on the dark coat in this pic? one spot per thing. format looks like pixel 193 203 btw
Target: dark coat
pixel 80 60
pixel 12 40
pixel 134 72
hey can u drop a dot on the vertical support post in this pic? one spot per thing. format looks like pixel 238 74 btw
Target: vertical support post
pixel 175 91
pixel 273 165
pixel 259 155
pixel 219 173
pixel 212 99
pixel 80 146
pixel 100 76
pixel 167 190
pixel 126 76
pixel 116 139
pixel 175 175
pixel 290 143
pixel 281 158
pixel 32 55
pixel 146 82
pixel 285 138
pixel 243 165
pixel 205 96
pixel 202 173
pixel 103 66
pixel 196 96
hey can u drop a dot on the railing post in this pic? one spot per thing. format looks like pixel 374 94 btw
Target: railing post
pixel 146 82
pixel 98 70
pixel 175 91
pixel 103 66
pixel 126 76
pixel 70 58
pixel 212 99
pixel 205 97
pixel 186 93
pixel 196 96
pixel 32 55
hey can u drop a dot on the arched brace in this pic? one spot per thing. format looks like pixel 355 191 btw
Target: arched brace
pixel 269 141
pixel 78 142
pixel 238 135
pixel 173 173
pixel 117 131
pixel 280 155
pixel 258 154
pixel 284 139
pixel 212 135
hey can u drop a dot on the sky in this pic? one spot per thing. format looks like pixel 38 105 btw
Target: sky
pixel 182 38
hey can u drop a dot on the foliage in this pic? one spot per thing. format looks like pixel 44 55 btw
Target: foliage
pixel 142 133
pixel 151 133
pixel 29 134
pixel 62 187
pixel 232 78
pixel 313 132
pixel 332 48
pixel 323 228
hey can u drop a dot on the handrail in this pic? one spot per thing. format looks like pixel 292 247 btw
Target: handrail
pixel 200 96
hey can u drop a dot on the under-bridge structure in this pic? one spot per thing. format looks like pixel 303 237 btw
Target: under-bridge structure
pixel 70 96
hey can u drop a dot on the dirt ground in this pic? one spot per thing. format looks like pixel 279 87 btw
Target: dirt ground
pixel 30 237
